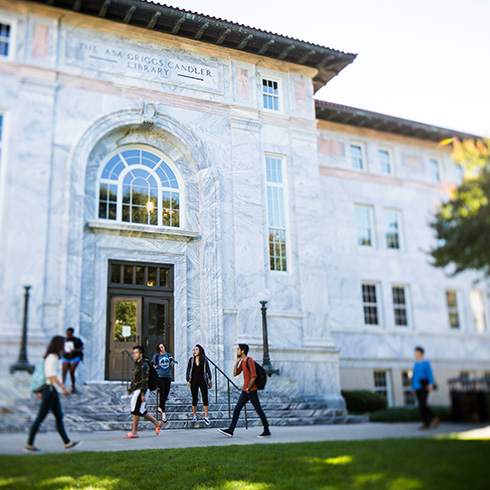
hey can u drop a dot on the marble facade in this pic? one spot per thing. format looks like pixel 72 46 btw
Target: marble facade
pixel 74 89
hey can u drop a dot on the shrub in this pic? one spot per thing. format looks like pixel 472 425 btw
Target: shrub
pixel 362 401
pixel 407 414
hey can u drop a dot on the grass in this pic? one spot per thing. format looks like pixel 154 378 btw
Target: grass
pixel 392 464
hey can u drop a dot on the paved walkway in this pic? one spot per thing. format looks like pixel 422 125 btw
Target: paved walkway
pixel 113 441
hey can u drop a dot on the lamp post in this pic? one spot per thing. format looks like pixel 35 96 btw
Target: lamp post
pixel 266 362
pixel 22 363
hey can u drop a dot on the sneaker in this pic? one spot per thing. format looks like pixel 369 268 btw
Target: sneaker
pixel 32 450
pixel 159 428
pixel 194 419
pixel 206 421
pixel 226 432
pixel 264 434
pixel 73 445
pixel 424 427
pixel 130 435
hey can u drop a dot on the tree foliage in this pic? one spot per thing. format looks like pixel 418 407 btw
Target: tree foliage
pixel 462 223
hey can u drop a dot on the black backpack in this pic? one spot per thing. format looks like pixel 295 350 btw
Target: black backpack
pixel 152 376
pixel 261 379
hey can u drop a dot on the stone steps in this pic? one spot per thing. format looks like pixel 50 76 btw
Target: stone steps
pixel 98 407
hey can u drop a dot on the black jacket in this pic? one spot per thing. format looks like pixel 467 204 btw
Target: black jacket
pixel 207 371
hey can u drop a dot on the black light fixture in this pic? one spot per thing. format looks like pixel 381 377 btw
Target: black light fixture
pixel 266 361
pixel 22 363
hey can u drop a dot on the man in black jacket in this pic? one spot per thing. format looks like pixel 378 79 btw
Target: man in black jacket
pixel 139 390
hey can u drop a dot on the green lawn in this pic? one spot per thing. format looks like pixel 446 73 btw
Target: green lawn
pixel 393 464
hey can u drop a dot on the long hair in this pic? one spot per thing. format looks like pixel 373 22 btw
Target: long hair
pixel 202 354
pixel 157 347
pixel 56 346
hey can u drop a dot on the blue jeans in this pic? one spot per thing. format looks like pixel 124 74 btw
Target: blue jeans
pixel 50 401
pixel 244 398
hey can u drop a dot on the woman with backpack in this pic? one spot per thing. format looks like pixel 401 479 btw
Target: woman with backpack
pixel 50 397
pixel 162 361
pixel 198 377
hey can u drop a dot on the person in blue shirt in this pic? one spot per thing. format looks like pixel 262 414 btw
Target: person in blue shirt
pixel 162 361
pixel 422 385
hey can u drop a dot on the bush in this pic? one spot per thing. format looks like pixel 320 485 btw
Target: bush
pixel 362 401
pixel 407 414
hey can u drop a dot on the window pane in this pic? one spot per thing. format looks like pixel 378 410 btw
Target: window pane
pixel 363 222
pixel 385 163
pixel 391 227
pixel 434 171
pixel 152 276
pixel 356 155
pixel 128 274
pixel 140 276
pixel 163 278
pixel 115 273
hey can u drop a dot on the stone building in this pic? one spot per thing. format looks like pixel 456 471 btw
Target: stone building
pixel 162 172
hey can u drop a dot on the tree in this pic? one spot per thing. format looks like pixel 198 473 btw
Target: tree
pixel 462 223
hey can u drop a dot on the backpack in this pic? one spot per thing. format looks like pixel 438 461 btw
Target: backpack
pixel 152 376
pixel 38 380
pixel 261 379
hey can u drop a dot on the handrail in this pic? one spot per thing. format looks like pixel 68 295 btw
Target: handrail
pixel 124 370
pixel 229 381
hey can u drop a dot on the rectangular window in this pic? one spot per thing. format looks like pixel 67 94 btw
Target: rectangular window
pixel 5 37
pixel 385 162
pixel 364 227
pixel 478 310
pixel 435 174
pixel 382 384
pixel 276 214
pixel 400 305
pixel 357 156
pixel 408 397
pixel 392 227
pixel 270 94
pixel 370 304
pixel 452 308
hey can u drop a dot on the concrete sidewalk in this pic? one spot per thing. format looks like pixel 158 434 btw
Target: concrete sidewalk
pixel 113 441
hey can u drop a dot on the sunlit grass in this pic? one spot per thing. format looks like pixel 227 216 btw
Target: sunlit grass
pixel 394 464
pixel 336 460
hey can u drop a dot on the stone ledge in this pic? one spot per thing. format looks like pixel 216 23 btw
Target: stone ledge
pixel 137 230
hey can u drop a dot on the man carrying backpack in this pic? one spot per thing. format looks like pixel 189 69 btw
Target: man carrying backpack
pixel 140 391
pixel 246 365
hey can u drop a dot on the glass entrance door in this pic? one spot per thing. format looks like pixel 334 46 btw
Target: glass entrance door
pixel 157 324
pixel 143 320
pixel 125 331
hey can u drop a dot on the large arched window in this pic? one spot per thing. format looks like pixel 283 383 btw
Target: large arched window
pixel 137 186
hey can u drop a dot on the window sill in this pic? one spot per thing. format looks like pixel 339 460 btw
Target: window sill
pixel 138 230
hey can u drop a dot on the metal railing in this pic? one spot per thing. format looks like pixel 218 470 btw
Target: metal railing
pixel 229 382
pixel 125 375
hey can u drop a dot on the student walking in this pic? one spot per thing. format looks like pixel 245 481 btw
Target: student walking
pixel 246 365
pixel 49 397
pixel 198 376
pixel 422 385
pixel 72 355
pixel 140 392
pixel 162 361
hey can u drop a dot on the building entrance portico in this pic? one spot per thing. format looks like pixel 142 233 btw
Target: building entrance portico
pixel 140 311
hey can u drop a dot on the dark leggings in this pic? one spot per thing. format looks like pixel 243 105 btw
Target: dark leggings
pixel 50 401
pixel 425 411
pixel 164 387
pixel 195 385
